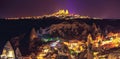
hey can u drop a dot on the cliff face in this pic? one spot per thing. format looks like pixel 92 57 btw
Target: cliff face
pixel 73 28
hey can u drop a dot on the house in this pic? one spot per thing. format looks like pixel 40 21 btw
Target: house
pixel 8 52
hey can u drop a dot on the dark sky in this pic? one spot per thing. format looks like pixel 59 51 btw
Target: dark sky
pixel 92 8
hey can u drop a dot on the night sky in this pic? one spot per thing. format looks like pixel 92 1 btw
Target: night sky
pixel 92 8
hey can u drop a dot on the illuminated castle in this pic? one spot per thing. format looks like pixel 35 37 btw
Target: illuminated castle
pixel 62 12
pixel 66 15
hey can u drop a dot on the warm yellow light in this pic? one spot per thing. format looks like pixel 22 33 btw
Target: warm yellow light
pixel 4 52
pixel 89 40
pixel 95 53
pixel 41 56
pixel 46 50
pixel 114 41
pixel 62 12
pixel 10 54
pixel 67 12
